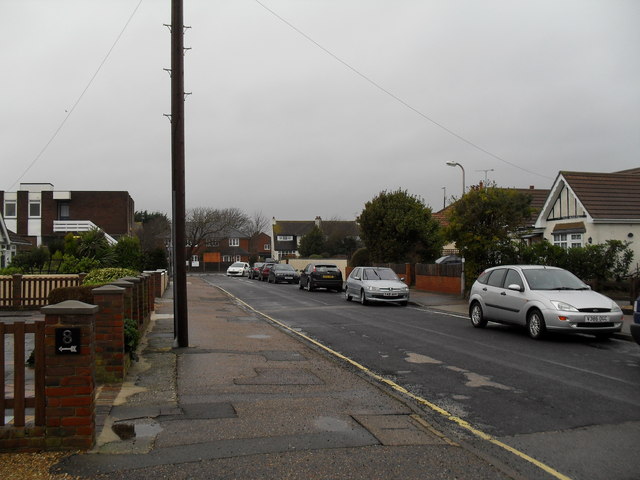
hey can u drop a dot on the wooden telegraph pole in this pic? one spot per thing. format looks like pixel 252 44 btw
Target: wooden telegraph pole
pixel 180 315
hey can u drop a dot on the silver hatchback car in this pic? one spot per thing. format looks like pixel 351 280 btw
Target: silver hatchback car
pixel 375 284
pixel 542 299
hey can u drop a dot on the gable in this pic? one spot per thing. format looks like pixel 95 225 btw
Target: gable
pixel 565 204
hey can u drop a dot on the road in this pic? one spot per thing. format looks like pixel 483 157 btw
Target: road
pixel 569 402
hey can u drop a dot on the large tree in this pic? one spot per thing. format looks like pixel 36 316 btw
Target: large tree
pixel 398 227
pixel 312 243
pixel 483 222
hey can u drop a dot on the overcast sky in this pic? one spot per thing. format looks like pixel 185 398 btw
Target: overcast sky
pixel 312 107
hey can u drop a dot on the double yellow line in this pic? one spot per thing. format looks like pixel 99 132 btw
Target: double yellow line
pixel 459 421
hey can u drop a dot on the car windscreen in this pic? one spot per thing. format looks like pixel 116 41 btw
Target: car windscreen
pixel 379 274
pixel 552 279
pixel 238 264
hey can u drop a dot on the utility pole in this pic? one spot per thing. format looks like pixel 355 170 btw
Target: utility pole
pixel 180 315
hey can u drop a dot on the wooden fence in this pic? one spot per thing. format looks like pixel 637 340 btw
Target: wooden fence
pixel 31 291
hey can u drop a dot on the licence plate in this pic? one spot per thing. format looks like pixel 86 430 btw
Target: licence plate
pixel 328 276
pixel 390 294
pixel 288 278
pixel 596 318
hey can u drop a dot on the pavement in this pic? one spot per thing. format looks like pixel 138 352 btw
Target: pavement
pixel 249 399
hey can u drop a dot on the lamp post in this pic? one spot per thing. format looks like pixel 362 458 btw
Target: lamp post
pixel 451 163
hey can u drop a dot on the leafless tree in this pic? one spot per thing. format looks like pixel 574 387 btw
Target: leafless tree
pixel 257 224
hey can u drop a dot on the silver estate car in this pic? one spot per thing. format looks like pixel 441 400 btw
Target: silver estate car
pixel 542 299
pixel 374 284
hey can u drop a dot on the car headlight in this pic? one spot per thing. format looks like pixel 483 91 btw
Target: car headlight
pixel 372 289
pixel 615 307
pixel 563 306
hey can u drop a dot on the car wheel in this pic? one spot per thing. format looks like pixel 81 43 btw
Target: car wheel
pixel 300 286
pixel 347 297
pixel 363 298
pixel 477 316
pixel 535 324
pixel 309 285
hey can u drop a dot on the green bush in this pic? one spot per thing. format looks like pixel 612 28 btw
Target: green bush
pixel 81 293
pixel 107 275
pixel 359 258
pixel 131 335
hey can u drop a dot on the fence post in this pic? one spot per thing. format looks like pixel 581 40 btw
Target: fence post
pixel 110 356
pixel 70 375
pixel 16 290
pixel 128 297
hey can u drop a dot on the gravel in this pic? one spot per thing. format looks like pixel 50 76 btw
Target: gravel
pixel 31 466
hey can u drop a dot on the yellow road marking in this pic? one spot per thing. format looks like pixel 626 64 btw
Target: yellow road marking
pixel 459 421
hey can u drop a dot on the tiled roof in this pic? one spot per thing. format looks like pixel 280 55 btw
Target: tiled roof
pixel 607 195
pixel 303 227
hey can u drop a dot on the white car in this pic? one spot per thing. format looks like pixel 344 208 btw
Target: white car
pixel 238 269
pixel 542 299
pixel 375 284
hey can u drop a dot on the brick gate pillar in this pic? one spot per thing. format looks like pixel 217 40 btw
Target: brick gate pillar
pixel 70 375
pixel 110 351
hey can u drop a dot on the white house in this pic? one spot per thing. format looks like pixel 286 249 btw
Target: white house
pixel 589 208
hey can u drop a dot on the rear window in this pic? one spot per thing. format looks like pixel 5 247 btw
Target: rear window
pixel 326 268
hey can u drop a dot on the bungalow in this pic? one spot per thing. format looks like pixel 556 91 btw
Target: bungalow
pixel 585 207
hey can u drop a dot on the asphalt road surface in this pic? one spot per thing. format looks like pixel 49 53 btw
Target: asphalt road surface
pixel 570 402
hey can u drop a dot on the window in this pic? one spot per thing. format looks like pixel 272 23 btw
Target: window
pixel 63 211
pixel 285 238
pixel 213 243
pixel 497 277
pixel 576 240
pixel 9 208
pixel 226 258
pixel 513 278
pixel 267 247
pixel 234 242
pixel 560 239
pixel 237 258
pixel 34 208
pixel 195 258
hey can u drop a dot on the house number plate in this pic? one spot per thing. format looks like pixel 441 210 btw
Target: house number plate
pixel 67 341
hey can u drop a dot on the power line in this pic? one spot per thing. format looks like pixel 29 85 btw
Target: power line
pixel 395 97
pixel 70 111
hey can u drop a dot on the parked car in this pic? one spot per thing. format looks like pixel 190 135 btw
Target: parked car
pixel 238 269
pixel 635 326
pixel 321 275
pixel 376 284
pixel 254 272
pixel 282 273
pixel 544 299
pixel 264 271
pixel 449 259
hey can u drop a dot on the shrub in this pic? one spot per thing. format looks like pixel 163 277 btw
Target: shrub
pixel 81 293
pixel 131 335
pixel 101 276
pixel 359 258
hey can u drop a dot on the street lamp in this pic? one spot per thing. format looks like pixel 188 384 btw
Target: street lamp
pixel 451 163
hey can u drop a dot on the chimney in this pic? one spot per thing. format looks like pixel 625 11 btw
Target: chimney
pixel 531 187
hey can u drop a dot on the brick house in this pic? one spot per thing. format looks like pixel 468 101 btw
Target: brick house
pixel 234 246
pixel 39 213
pixel 287 234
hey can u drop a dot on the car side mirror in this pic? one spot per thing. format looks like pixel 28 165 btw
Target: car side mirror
pixel 356 278
pixel 402 279
pixel 515 287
